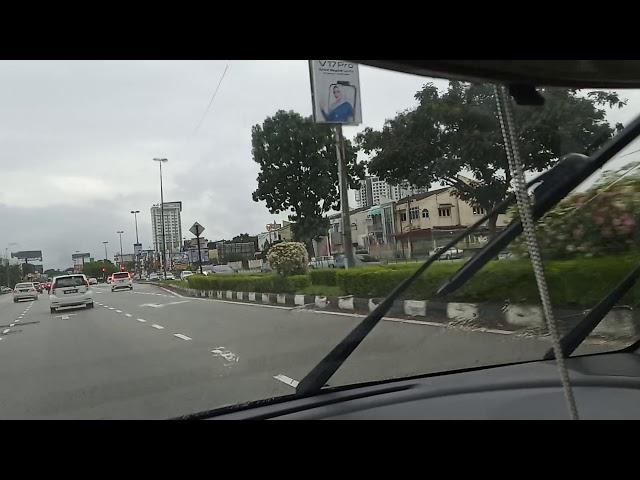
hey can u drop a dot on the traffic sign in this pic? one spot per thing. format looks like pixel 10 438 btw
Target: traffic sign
pixel 197 229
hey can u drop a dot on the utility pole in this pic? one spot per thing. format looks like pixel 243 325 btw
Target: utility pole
pixel 344 198
pixel 135 248
pixel 164 245
pixel 120 232
pixel 105 251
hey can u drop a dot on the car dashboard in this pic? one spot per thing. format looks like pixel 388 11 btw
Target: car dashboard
pixel 606 386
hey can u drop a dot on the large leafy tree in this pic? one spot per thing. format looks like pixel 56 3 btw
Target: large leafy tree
pixel 457 132
pixel 94 269
pixel 299 171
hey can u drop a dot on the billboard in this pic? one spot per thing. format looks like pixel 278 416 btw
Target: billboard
pixel 28 254
pixel 137 248
pixel 335 92
pixel 76 256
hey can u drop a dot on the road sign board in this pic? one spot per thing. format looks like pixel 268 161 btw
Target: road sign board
pixel 197 229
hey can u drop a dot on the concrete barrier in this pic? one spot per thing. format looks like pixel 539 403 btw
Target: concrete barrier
pixel 219 294
pixel 252 296
pixel 229 295
pixel 298 300
pixel 415 308
pixel 281 298
pixel 240 295
pixel 321 302
pixel 346 303
pixel 462 311
pixel 265 298
pixel 524 315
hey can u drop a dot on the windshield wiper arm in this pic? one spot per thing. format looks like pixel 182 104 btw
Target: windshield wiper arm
pixel 319 375
pixel 558 182
pixel 572 340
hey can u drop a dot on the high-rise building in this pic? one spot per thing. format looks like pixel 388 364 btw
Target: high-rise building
pixel 374 191
pixel 172 227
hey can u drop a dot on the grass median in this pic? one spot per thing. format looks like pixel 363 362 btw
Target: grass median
pixel 580 282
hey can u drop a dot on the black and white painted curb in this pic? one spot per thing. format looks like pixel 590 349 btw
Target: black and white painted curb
pixel 620 322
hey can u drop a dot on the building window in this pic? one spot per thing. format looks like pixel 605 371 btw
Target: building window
pixel 444 211
pixel 414 213
pixel 425 213
pixel 403 216
pixel 479 211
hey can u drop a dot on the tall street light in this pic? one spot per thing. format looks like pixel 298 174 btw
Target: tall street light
pixel 120 232
pixel 105 251
pixel 135 215
pixel 6 254
pixel 164 247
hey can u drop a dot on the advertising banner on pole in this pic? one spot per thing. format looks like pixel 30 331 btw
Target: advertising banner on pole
pixel 335 92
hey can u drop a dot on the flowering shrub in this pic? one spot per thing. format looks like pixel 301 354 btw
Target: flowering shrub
pixel 601 220
pixel 288 258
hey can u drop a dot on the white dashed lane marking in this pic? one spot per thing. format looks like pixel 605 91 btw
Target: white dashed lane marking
pixel 111 308
pixel 128 315
pixel 4 332
pixel 183 337
pixel 141 320
pixel 118 311
pixel 284 379
pixel 159 327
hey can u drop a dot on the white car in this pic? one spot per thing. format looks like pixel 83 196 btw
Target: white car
pixel 450 254
pixel 25 290
pixel 169 276
pixel 153 276
pixel 121 280
pixel 70 291
pixel 93 281
pixel 185 274
pixel 322 262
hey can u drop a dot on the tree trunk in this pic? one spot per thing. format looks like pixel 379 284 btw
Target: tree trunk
pixel 491 225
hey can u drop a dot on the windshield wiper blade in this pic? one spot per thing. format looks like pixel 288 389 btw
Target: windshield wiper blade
pixel 572 340
pixel 557 183
pixel 319 375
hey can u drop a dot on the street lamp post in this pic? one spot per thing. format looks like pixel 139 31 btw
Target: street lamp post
pixel 104 273
pixel 105 251
pixel 120 232
pixel 135 216
pixel 164 247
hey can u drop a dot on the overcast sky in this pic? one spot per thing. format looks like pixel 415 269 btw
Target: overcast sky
pixel 78 138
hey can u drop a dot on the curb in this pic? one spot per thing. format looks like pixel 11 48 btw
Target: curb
pixel 620 321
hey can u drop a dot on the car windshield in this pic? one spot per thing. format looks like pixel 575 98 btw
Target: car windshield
pixel 213 187
pixel 69 282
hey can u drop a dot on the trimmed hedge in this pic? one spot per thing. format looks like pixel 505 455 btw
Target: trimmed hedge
pixel 250 283
pixel 572 283
pixel 323 276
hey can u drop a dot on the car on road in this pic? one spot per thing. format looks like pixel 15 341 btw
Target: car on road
pixel 153 276
pixel 170 276
pixel 121 280
pixel 93 281
pixel 110 279
pixel 185 274
pixel 25 290
pixel 70 290
pixel 4 290
pixel 322 262
pixel 38 286
pixel 47 285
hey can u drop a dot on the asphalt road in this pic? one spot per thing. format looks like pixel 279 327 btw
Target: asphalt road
pixel 151 354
